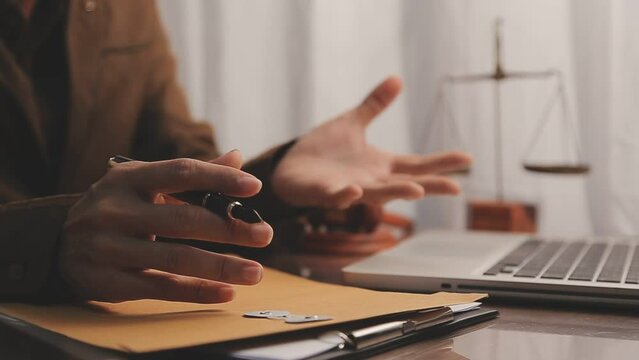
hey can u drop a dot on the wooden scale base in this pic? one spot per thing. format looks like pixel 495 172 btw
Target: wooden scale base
pixel 502 216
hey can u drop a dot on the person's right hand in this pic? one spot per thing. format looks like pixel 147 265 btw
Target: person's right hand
pixel 108 252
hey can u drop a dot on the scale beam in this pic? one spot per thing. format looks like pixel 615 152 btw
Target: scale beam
pixel 514 75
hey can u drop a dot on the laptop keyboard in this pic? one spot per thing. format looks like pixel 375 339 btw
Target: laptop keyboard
pixel 577 261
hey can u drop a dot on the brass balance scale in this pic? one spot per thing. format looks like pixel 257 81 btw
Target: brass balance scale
pixel 499 214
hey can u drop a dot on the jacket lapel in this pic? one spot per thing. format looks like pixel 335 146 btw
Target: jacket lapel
pixel 85 19
pixel 13 78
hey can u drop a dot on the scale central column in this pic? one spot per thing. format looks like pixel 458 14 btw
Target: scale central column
pixel 499 167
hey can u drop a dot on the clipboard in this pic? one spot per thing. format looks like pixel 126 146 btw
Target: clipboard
pixel 42 343
pixel 461 321
pixel 289 348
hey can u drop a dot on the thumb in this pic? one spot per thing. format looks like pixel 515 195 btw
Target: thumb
pixel 379 99
pixel 232 158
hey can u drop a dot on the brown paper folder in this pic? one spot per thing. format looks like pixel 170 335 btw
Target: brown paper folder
pixel 150 325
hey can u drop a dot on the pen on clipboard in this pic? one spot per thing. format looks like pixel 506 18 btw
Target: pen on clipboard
pixel 218 203
pixel 377 334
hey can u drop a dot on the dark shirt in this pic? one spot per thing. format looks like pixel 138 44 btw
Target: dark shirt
pixel 38 46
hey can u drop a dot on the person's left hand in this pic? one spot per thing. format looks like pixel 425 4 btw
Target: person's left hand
pixel 334 167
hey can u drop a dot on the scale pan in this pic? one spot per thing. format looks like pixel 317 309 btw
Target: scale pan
pixel 566 169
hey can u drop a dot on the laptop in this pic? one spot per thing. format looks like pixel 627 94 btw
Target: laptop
pixel 506 265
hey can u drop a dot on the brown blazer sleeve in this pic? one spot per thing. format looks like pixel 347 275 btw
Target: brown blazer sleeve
pixel 30 232
pixel 166 128
pixel 269 205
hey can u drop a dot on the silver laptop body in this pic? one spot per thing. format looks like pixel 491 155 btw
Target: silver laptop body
pixel 585 270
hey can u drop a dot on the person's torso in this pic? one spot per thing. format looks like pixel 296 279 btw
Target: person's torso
pixel 77 97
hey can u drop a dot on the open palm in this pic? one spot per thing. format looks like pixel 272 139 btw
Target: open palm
pixel 334 166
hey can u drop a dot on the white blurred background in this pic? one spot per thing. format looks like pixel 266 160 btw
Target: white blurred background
pixel 263 72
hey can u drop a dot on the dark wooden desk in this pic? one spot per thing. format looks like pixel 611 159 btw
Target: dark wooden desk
pixel 523 331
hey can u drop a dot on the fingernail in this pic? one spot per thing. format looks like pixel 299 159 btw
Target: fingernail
pixel 249 182
pixel 226 294
pixel 252 274
pixel 261 233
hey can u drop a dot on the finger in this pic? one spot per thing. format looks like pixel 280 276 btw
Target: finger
pixel 383 192
pixel 178 175
pixel 330 195
pixel 190 222
pixel 180 221
pixel 232 158
pixel 166 199
pixel 432 164
pixel 121 286
pixel 438 185
pixel 131 253
pixel 343 197
pixel 379 99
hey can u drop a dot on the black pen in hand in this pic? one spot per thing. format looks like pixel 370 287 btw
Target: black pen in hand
pixel 216 202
